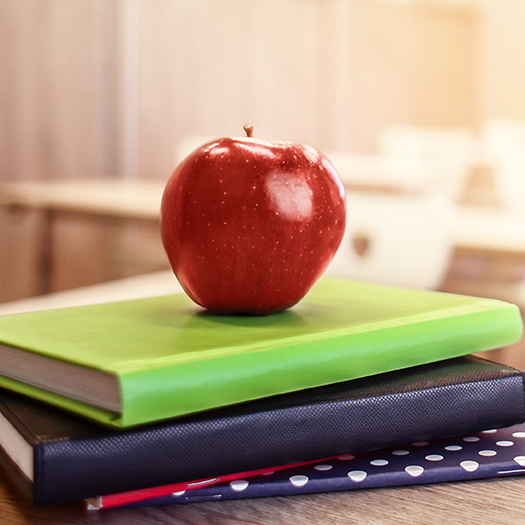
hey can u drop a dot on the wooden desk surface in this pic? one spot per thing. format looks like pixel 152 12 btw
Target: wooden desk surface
pixel 148 285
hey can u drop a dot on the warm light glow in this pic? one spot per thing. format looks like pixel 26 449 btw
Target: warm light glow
pixel 290 195
pixel 252 147
pixel 216 151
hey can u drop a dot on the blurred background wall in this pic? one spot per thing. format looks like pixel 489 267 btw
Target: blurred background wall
pixel 97 88
pixel 392 90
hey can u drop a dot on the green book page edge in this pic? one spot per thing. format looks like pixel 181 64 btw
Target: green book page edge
pixel 341 330
pixel 92 413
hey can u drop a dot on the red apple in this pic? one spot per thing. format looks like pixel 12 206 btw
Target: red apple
pixel 249 225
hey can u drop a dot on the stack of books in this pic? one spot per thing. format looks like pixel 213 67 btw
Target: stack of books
pixel 155 400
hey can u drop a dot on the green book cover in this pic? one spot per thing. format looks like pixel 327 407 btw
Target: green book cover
pixel 139 361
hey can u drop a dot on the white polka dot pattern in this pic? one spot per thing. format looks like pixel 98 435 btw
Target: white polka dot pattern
pixel 434 457
pixel 357 475
pixel 487 453
pixel 239 484
pixel 299 481
pixel 469 466
pixel 323 467
pixel 520 460
pixel 414 470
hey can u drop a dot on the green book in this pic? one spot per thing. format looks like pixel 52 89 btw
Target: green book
pixel 138 361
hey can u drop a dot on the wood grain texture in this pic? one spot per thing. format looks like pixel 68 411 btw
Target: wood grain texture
pixel 81 81
pixel 21 233
pixel 57 118
pixel 332 74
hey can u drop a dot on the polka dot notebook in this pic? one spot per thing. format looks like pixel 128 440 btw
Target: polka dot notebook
pixel 486 454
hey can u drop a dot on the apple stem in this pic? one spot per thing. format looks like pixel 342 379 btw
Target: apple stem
pixel 249 130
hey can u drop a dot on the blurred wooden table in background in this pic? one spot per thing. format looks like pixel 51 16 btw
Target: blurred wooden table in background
pixel 59 235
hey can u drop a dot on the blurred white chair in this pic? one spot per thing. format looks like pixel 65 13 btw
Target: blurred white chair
pixel 503 138
pixel 356 169
pixel 504 144
pixel 401 240
pixel 429 159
